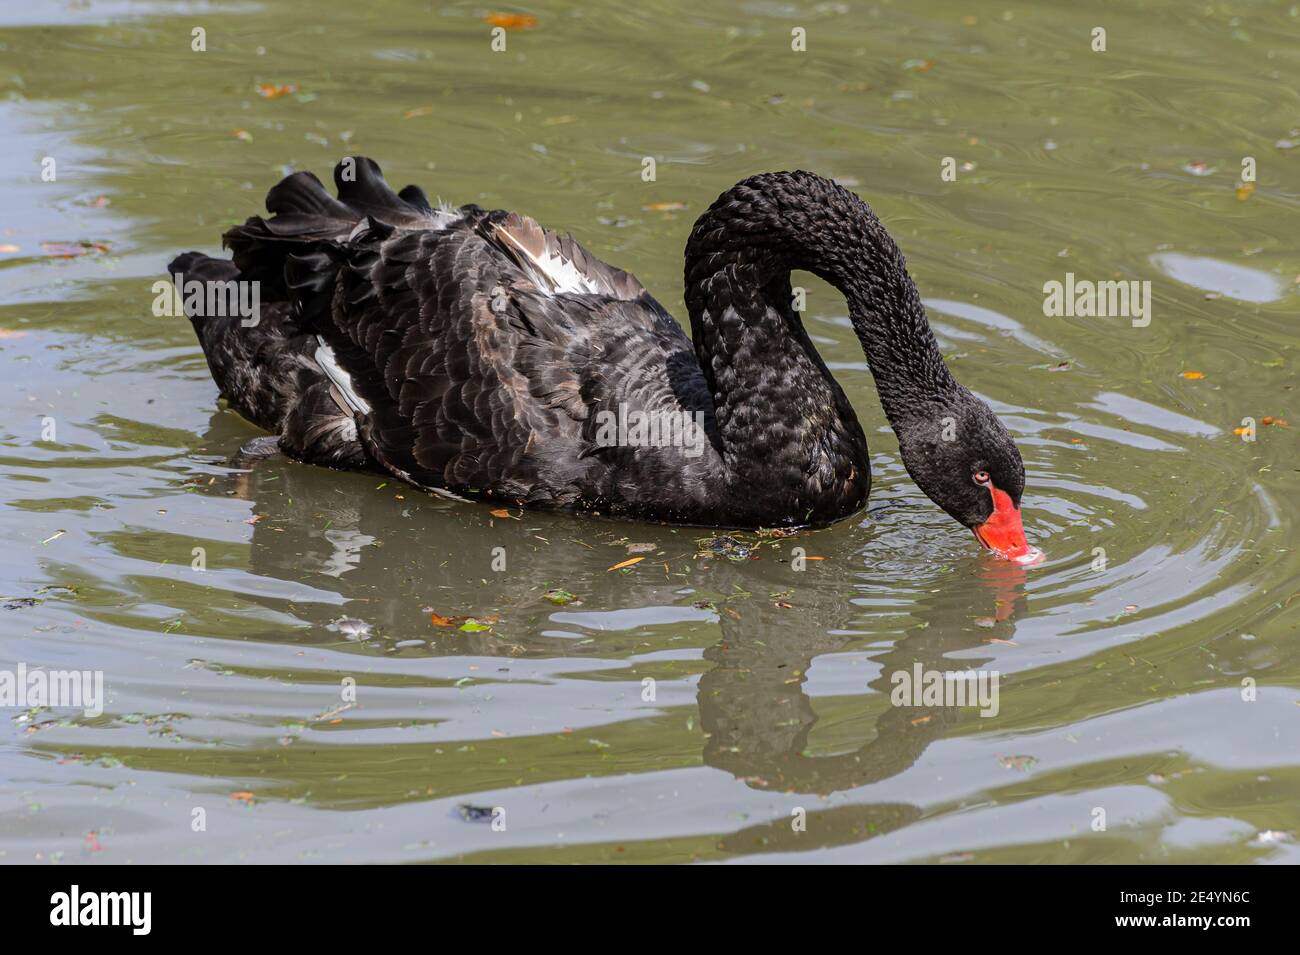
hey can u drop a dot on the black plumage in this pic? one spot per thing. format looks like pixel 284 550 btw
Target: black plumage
pixel 477 353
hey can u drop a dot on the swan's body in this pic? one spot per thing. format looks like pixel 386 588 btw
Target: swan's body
pixel 476 353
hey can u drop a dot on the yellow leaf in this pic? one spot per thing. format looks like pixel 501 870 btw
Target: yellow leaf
pixel 1193 375
pixel 627 563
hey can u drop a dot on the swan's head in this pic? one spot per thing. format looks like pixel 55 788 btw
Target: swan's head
pixel 964 459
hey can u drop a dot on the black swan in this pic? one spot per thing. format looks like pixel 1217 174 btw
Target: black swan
pixel 476 354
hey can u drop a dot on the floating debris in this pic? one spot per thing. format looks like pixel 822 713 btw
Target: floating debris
pixel 1022 763
pixel 560 597
pixel 466 623
pixel 724 545
pixel 476 813
pixel 352 628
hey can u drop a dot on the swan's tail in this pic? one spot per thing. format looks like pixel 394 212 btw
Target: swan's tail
pixel 243 311
pixel 264 366
pixel 305 218
pixel 259 362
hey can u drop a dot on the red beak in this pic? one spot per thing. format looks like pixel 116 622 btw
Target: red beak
pixel 1004 534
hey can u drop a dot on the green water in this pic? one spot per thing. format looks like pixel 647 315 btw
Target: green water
pixel 1171 571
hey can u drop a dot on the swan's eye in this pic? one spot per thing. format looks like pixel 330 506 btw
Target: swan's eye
pixel 980 477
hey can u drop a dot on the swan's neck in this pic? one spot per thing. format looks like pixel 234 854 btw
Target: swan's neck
pixel 765 375
pixel 911 376
pixel 791 445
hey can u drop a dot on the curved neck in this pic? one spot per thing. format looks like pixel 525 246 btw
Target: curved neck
pixel 750 341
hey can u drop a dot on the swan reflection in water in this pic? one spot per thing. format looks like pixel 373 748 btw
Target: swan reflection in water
pixel 399 555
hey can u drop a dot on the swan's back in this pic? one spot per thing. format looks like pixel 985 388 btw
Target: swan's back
pixel 463 350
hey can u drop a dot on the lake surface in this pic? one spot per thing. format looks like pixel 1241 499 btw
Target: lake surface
pixel 697 705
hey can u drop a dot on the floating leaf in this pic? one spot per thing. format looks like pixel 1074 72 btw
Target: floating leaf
pixel 71 250
pixel 1193 375
pixel 664 206
pixel 473 626
pixel 276 90
pixel 512 21
pixel 627 563
pixel 1244 190
pixel 244 797
pixel 500 512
